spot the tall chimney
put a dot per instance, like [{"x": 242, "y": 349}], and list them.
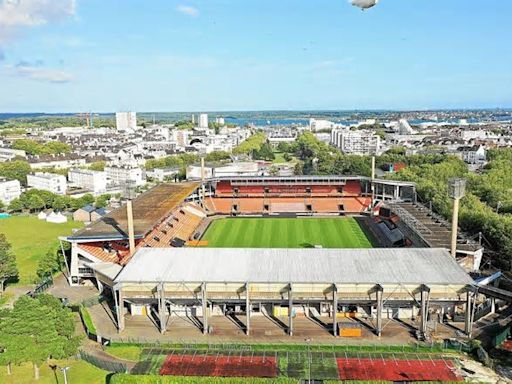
[{"x": 131, "y": 234}]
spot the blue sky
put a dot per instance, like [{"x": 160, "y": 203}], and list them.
[{"x": 191, "y": 55}]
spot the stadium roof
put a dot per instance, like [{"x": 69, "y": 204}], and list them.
[
  {"x": 149, "y": 209},
  {"x": 376, "y": 266}
]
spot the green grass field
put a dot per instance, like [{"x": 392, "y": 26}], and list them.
[
  {"x": 339, "y": 232},
  {"x": 31, "y": 238}
]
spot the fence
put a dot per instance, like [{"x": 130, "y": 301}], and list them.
[
  {"x": 41, "y": 287},
  {"x": 110, "y": 366},
  {"x": 499, "y": 338}
]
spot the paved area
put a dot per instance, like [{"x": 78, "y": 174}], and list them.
[
  {"x": 263, "y": 329},
  {"x": 62, "y": 289}
]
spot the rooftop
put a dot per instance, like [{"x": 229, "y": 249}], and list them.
[
  {"x": 149, "y": 209},
  {"x": 375, "y": 266}
]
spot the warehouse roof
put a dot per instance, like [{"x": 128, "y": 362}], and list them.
[
  {"x": 149, "y": 209},
  {"x": 383, "y": 266}
]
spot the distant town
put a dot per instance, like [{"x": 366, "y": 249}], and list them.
[{"x": 97, "y": 155}]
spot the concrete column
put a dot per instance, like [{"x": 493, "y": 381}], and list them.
[
  {"x": 380, "y": 304},
  {"x": 468, "y": 322},
  {"x": 290, "y": 310},
  {"x": 205, "y": 308},
  {"x": 493, "y": 305},
  {"x": 131, "y": 235},
  {"x": 334, "y": 310},
  {"x": 120, "y": 310},
  {"x": 425, "y": 293},
  {"x": 161, "y": 309},
  {"x": 247, "y": 310},
  {"x": 455, "y": 224}
]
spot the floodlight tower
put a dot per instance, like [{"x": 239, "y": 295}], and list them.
[
  {"x": 129, "y": 194},
  {"x": 456, "y": 190},
  {"x": 203, "y": 176}
]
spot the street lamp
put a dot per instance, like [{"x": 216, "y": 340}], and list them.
[
  {"x": 308, "y": 341},
  {"x": 64, "y": 370},
  {"x": 456, "y": 190}
]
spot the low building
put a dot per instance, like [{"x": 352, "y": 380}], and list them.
[
  {"x": 475, "y": 154},
  {"x": 9, "y": 190},
  {"x": 120, "y": 175},
  {"x": 8, "y": 154},
  {"x": 89, "y": 214},
  {"x": 48, "y": 182},
  {"x": 95, "y": 181},
  {"x": 162, "y": 174}
]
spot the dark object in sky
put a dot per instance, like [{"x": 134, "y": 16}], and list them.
[{"x": 364, "y": 4}]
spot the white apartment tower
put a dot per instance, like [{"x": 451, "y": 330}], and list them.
[
  {"x": 203, "y": 120},
  {"x": 94, "y": 181},
  {"x": 9, "y": 190},
  {"x": 48, "y": 182},
  {"x": 355, "y": 142},
  {"x": 126, "y": 121}
]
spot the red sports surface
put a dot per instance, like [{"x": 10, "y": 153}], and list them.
[
  {"x": 396, "y": 370},
  {"x": 221, "y": 366}
]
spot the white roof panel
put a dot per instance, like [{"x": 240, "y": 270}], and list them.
[{"x": 397, "y": 265}]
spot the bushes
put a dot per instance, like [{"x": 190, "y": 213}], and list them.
[
  {"x": 155, "y": 379},
  {"x": 87, "y": 320}
]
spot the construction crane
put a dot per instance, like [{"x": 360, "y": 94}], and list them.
[{"x": 88, "y": 118}]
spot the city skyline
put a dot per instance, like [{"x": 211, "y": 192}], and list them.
[{"x": 67, "y": 56}]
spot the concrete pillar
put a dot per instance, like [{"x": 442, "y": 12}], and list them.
[
  {"x": 119, "y": 309},
  {"x": 455, "y": 224},
  {"x": 205, "y": 308},
  {"x": 380, "y": 304},
  {"x": 468, "y": 322},
  {"x": 425, "y": 293},
  {"x": 290, "y": 310},
  {"x": 493, "y": 305},
  {"x": 334, "y": 310},
  {"x": 161, "y": 309},
  {"x": 247, "y": 310},
  {"x": 131, "y": 233}
]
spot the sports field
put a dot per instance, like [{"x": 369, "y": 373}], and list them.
[{"x": 339, "y": 232}]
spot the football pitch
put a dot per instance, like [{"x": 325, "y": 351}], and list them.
[{"x": 339, "y": 232}]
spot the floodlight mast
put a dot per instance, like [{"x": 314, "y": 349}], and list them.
[{"x": 456, "y": 190}]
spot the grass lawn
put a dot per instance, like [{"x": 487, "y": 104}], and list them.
[
  {"x": 80, "y": 372},
  {"x": 31, "y": 238},
  {"x": 279, "y": 158},
  {"x": 339, "y": 232}
]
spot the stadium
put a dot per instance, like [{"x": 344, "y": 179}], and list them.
[{"x": 344, "y": 255}]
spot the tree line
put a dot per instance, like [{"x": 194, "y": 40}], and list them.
[{"x": 35, "y": 200}]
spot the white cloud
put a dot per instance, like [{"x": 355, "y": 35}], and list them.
[
  {"x": 39, "y": 73},
  {"x": 188, "y": 10},
  {"x": 18, "y": 15}
]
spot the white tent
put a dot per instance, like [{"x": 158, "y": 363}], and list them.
[
  {"x": 57, "y": 218},
  {"x": 41, "y": 215}
]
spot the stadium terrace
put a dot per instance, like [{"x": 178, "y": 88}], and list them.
[{"x": 390, "y": 268}]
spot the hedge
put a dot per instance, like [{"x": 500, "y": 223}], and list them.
[
  {"x": 87, "y": 320},
  {"x": 120, "y": 378}
]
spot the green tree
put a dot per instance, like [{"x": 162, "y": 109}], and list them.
[
  {"x": 35, "y": 203},
  {"x": 217, "y": 156},
  {"x": 103, "y": 200},
  {"x": 15, "y": 205},
  {"x": 35, "y": 330},
  {"x": 15, "y": 170},
  {"x": 8, "y": 268},
  {"x": 49, "y": 264},
  {"x": 97, "y": 166},
  {"x": 60, "y": 203}
]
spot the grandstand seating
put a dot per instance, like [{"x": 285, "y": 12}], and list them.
[
  {"x": 352, "y": 188},
  {"x": 182, "y": 224}
]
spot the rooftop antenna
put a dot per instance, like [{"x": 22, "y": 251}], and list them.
[
  {"x": 456, "y": 190},
  {"x": 129, "y": 194}
]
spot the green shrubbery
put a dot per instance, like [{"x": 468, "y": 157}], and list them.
[{"x": 120, "y": 378}]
